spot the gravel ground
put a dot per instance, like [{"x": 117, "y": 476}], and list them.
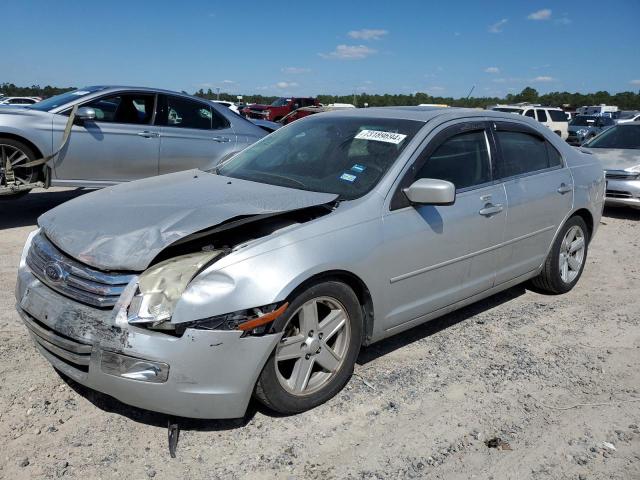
[{"x": 521, "y": 385}]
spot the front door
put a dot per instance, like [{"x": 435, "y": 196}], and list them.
[
  {"x": 439, "y": 255},
  {"x": 121, "y": 144},
  {"x": 194, "y": 135}
]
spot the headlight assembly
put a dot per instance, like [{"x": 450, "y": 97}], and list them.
[
  {"x": 252, "y": 321},
  {"x": 161, "y": 286}
]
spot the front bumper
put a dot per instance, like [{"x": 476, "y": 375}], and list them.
[
  {"x": 622, "y": 193},
  {"x": 574, "y": 139},
  {"x": 211, "y": 373}
]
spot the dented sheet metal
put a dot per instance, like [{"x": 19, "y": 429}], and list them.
[{"x": 125, "y": 227}]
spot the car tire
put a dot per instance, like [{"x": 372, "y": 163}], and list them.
[
  {"x": 565, "y": 263},
  {"x": 29, "y": 175},
  {"x": 283, "y": 385}
]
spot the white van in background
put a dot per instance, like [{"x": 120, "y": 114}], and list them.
[
  {"x": 602, "y": 109},
  {"x": 552, "y": 117}
]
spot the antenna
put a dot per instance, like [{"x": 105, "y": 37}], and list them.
[{"x": 469, "y": 94}]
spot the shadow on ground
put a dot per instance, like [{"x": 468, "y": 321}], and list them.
[
  {"x": 368, "y": 354},
  {"x": 621, "y": 213},
  {"x": 24, "y": 211}
]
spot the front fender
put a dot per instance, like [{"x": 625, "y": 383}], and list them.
[{"x": 273, "y": 275}]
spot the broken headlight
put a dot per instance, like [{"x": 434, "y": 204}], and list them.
[
  {"x": 252, "y": 321},
  {"x": 161, "y": 286}
]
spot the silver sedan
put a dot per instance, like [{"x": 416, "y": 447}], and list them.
[
  {"x": 189, "y": 293},
  {"x": 119, "y": 134}
]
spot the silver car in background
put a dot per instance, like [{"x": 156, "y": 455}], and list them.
[
  {"x": 120, "y": 134},
  {"x": 585, "y": 127},
  {"x": 188, "y": 293},
  {"x": 618, "y": 149}
]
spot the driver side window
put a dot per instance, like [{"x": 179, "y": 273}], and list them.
[
  {"x": 462, "y": 159},
  {"x": 129, "y": 108}
]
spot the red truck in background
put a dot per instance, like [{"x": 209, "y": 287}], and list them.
[{"x": 279, "y": 108}]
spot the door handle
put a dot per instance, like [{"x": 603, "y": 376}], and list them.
[
  {"x": 564, "y": 188},
  {"x": 148, "y": 134},
  {"x": 220, "y": 139},
  {"x": 490, "y": 209}
]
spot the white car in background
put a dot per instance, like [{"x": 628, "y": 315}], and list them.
[
  {"x": 230, "y": 105},
  {"x": 19, "y": 100},
  {"x": 553, "y": 117}
]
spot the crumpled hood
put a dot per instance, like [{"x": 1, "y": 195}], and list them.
[
  {"x": 616, "y": 158},
  {"x": 125, "y": 227}
]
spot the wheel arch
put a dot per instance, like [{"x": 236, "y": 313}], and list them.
[
  {"x": 586, "y": 215},
  {"x": 24, "y": 140},
  {"x": 41, "y": 173},
  {"x": 356, "y": 284}
]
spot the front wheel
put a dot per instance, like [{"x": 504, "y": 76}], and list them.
[
  {"x": 16, "y": 154},
  {"x": 565, "y": 263},
  {"x": 322, "y": 334}
]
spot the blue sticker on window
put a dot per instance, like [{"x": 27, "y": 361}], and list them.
[
  {"x": 358, "y": 168},
  {"x": 347, "y": 177}
]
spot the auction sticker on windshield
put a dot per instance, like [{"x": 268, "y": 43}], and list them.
[{"x": 380, "y": 136}]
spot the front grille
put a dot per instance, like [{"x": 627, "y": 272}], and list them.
[
  {"x": 621, "y": 175},
  {"x": 72, "y": 278},
  {"x": 618, "y": 194},
  {"x": 71, "y": 352}
]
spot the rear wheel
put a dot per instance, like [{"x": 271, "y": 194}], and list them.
[
  {"x": 16, "y": 154},
  {"x": 317, "y": 352},
  {"x": 566, "y": 260}
]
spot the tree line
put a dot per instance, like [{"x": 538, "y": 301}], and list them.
[{"x": 624, "y": 100}]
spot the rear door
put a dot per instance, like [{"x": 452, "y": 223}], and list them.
[
  {"x": 438, "y": 255},
  {"x": 539, "y": 189},
  {"x": 193, "y": 135},
  {"x": 121, "y": 144}
]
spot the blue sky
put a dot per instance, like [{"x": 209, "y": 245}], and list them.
[{"x": 335, "y": 47}]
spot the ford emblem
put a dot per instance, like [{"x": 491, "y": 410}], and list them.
[{"x": 53, "y": 271}]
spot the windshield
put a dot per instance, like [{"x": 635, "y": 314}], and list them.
[
  {"x": 620, "y": 136},
  {"x": 58, "y": 100},
  {"x": 347, "y": 156},
  {"x": 508, "y": 110},
  {"x": 626, "y": 115},
  {"x": 583, "y": 121},
  {"x": 281, "y": 102}
]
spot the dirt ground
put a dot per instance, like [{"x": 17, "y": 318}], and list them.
[{"x": 518, "y": 386}]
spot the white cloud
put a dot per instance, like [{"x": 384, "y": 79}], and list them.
[
  {"x": 544, "y": 14},
  {"x": 492, "y": 70},
  {"x": 295, "y": 70},
  {"x": 635, "y": 82},
  {"x": 349, "y": 52},
  {"x": 497, "y": 27},
  {"x": 564, "y": 21},
  {"x": 543, "y": 78},
  {"x": 368, "y": 34},
  {"x": 286, "y": 85},
  {"x": 228, "y": 82}
]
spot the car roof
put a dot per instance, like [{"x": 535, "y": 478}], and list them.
[{"x": 421, "y": 114}]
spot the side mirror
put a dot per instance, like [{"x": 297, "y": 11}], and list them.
[
  {"x": 430, "y": 191},
  {"x": 85, "y": 113}
]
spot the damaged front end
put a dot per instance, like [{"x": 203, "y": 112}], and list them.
[{"x": 172, "y": 338}]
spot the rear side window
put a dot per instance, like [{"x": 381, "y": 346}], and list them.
[
  {"x": 525, "y": 153},
  {"x": 462, "y": 159},
  {"x": 185, "y": 113},
  {"x": 529, "y": 113},
  {"x": 542, "y": 115},
  {"x": 557, "y": 115}
]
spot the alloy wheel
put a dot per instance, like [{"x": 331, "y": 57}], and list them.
[
  {"x": 572, "y": 254},
  {"x": 313, "y": 347},
  {"x": 14, "y": 156}
]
